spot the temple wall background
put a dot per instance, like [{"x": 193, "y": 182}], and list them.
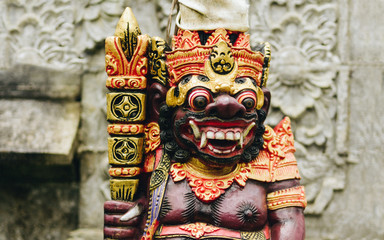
[{"x": 326, "y": 74}]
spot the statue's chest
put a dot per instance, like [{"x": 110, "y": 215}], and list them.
[{"x": 239, "y": 208}]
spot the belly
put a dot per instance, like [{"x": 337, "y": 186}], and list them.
[{"x": 239, "y": 208}]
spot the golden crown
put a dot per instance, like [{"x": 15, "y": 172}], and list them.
[{"x": 218, "y": 56}]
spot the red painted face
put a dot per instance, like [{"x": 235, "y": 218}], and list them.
[{"x": 219, "y": 127}]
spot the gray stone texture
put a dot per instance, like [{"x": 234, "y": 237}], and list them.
[
  {"x": 326, "y": 74},
  {"x": 36, "y": 211},
  {"x": 35, "y": 130}
]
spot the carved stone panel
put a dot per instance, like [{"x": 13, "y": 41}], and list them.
[{"x": 309, "y": 84}]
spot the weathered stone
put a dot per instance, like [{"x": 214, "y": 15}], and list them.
[
  {"x": 94, "y": 189},
  {"x": 86, "y": 234},
  {"x": 38, "y": 131},
  {"x": 37, "y": 211},
  {"x": 31, "y": 81}
]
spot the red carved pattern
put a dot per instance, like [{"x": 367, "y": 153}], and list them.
[
  {"x": 150, "y": 232},
  {"x": 126, "y": 82},
  {"x": 152, "y": 136},
  {"x": 219, "y": 34},
  {"x": 138, "y": 66},
  {"x": 185, "y": 39},
  {"x": 192, "y": 56},
  {"x": 244, "y": 72},
  {"x": 178, "y": 74},
  {"x": 208, "y": 189},
  {"x": 242, "y": 41},
  {"x": 198, "y": 229},
  {"x": 115, "y": 61},
  {"x": 291, "y": 197},
  {"x": 276, "y": 160},
  {"x": 284, "y": 132}
]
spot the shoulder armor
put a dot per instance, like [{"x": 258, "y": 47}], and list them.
[{"x": 276, "y": 161}]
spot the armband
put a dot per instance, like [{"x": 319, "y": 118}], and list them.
[{"x": 290, "y": 197}]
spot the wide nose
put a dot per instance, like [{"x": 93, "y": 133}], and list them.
[{"x": 225, "y": 107}]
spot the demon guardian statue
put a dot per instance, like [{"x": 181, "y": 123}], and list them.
[{"x": 189, "y": 152}]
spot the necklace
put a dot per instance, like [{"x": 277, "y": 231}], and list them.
[{"x": 208, "y": 188}]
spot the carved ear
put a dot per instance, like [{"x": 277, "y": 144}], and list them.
[
  {"x": 267, "y": 99},
  {"x": 155, "y": 99}
]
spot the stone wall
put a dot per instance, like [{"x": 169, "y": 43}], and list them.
[{"x": 326, "y": 74}]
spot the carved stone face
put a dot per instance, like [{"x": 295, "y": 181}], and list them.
[{"x": 215, "y": 124}]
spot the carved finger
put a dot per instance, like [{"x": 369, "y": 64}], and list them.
[
  {"x": 132, "y": 213},
  {"x": 114, "y": 220},
  {"x": 118, "y": 206},
  {"x": 119, "y": 233}
]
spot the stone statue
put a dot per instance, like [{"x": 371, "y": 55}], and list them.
[{"x": 189, "y": 152}]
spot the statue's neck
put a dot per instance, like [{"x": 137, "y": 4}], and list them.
[{"x": 201, "y": 167}]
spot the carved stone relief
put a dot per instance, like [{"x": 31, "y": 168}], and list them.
[
  {"x": 54, "y": 33},
  {"x": 309, "y": 85}
]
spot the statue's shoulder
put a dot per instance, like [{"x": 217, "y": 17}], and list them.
[{"x": 276, "y": 161}]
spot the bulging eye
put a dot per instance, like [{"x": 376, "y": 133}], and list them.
[
  {"x": 199, "y": 99},
  {"x": 248, "y": 99}
]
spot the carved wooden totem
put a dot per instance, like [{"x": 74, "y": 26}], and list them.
[{"x": 189, "y": 152}]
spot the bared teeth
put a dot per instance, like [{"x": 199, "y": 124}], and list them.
[
  {"x": 210, "y": 135},
  {"x": 248, "y": 129},
  {"x": 204, "y": 135},
  {"x": 204, "y": 140},
  {"x": 195, "y": 129},
  {"x": 220, "y": 135},
  {"x": 241, "y": 142},
  {"x": 230, "y": 136},
  {"x": 237, "y": 136}
]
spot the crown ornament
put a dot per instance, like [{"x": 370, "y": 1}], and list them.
[{"x": 189, "y": 56}]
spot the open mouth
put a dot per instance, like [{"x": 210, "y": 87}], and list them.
[{"x": 217, "y": 138}]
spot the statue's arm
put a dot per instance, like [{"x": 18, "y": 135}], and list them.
[
  {"x": 286, "y": 220},
  {"x": 287, "y": 224}
]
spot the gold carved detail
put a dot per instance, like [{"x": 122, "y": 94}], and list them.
[
  {"x": 198, "y": 229},
  {"x": 117, "y": 64},
  {"x": 126, "y": 107},
  {"x": 190, "y": 58},
  {"x": 157, "y": 65},
  {"x": 124, "y": 171},
  {"x": 208, "y": 188},
  {"x": 123, "y": 189},
  {"x": 276, "y": 161},
  {"x": 161, "y": 173},
  {"x": 253, "y": 235},
  {"x": 221, "y": 59},
  {"x": 126, "y": 82},
  {"x": 125, "y": 150},
  {"x": 125, "y": 129},
  {"x": 127, "y": 30},
  {"x": 291, "y": 197},
  {"x": 115, "y": 61},
  {"x": 152, "y": 136}
]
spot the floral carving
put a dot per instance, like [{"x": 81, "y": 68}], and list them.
[
  {"x": 152, "y": 136},
  {"x": 55, "y": 33},
  {"x": 198, "y": 230},
  {"x": 208, "y": 188},
  {"x": 303, "y": 85}
]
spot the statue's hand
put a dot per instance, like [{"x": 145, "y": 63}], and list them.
[{"x": 122, "y": 220}]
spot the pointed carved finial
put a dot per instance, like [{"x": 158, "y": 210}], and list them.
[{"x": 127, "y": 30}]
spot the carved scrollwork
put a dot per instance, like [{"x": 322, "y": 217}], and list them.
[
  {"x": 42, "y": 32},
  {"x": 303, "y": 37}
]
